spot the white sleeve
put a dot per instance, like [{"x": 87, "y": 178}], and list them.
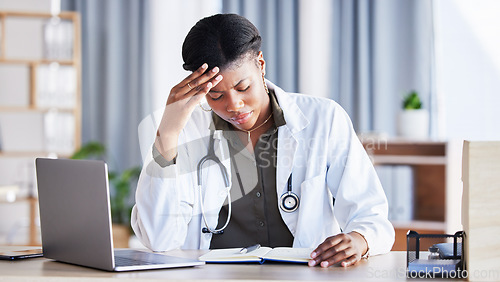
[
  {"x": 164, "y": 202},
  {"x": 360, "y": 201}
]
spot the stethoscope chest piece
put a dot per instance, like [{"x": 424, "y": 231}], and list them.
[{"x": 289, "y": 201}]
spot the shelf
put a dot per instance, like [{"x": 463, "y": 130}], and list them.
[
  {"x": 32, "y": 203},
  {"x": 23, "y": 199},
  {"x": 62, "y": 15},
  {"x": 408, "y": 160},
  {"x": 30, "y": 104},
  {"x": 412, "y": 142},
  {"x": 437, "y": 226},
  {"x": 402, "y": 147},
  {"x": 423, "y": 227},
  {"x": 36, "y": 61},
  {"x": 432, "y": 166},
  {"x": 36, "y": 109},
  {"x": 26, "y": 154}
]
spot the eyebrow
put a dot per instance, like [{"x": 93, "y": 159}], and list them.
[{"x": 232, "y": 87}]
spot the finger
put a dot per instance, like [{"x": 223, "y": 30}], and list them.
[
  {"x": 338, "y": 257},
  {"x": 350, "y": 261},
  {"x": 327, "y": 244},
  {"x": 195, "y": 99},
  {"x": 186, "y": 92},
  {"x": 198, "y": 84},
  {"x": 340, "y": 248},
  {"x": 182, "y": 88},
  {"x": 194, "y": 75},
  {"x": 179, "y": 90}
]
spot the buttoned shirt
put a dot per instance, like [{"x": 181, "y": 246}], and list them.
[{"x": 255, "y": 217}]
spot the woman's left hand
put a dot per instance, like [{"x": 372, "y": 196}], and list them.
[{"x": 345, "y": 248}]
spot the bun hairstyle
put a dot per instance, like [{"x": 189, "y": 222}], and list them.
[{"x": 220, "y": 40}]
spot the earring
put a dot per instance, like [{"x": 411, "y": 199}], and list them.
[
  {"x": 199, "y": 104},
  {"x": 265, "y": 85}
]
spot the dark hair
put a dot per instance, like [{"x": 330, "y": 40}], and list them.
[{"x": 219, "y": 40}]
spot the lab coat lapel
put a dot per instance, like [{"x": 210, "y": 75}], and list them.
[
  {"x": 287, "y": 145},
  {"x": 287, "y": 140}
]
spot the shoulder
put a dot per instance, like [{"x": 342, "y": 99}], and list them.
[
  {"x": 311, "y": 106},
  {"x": 300, "y": 101},
  {"x": 303, "y": 109},
  {"x": 305, "y": 100}
]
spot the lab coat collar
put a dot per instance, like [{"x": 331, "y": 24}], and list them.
[{"x": 295, "y": 119}]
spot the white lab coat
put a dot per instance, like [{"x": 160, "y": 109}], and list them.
[{"x": 317, "y": 143}]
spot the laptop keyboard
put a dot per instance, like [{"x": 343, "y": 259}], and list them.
[
  {"x": 122, "y": 261},
  {"x": 131, "y": 258}
]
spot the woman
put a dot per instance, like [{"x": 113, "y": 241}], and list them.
[{"x": 298, "y": 175}]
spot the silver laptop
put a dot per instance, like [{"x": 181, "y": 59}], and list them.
[{"x": 75, "y": 219}]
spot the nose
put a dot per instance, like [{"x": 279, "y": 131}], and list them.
[{"x": 234, "y": 102}]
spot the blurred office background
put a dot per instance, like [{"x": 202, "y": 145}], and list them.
[{"x": 365, "y": 54}]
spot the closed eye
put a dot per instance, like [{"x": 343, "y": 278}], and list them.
[
  {"x": 215, "y": 98},
  {"x": 244, "y": 90}
]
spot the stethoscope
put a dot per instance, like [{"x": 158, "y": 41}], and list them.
[{"x": 289, "y": 201}]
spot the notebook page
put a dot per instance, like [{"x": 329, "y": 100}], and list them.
[
  {"x": 289, "y": 254},
  {"x": 233, "y": 254}
]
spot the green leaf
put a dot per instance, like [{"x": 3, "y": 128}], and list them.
[
  {"x": 120, "y": 209},
  {"x": 89, "y": 150},
  {"x": 412, "y": 101}
]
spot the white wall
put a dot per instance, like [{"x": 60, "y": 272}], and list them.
[
  {"x": 317, "y": 56},
  {"x": 468, "y": 68},
  {"x": 25, "y": 5},
  {"x": 172, "y": 20}
]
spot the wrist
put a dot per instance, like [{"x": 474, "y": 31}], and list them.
[
  {"x": 362, "y": 242},
  {"x": 166, "y": 146}
]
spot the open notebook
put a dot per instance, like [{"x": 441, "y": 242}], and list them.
[{"x": 283, "y": 254}]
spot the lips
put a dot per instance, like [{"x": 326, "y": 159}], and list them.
[{"x": 242, "y": 118}]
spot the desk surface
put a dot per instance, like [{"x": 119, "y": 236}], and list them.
[{"x": 391, "y": 266}]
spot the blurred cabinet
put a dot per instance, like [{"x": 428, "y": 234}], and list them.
[
  {"x": 40, "y": 98},
  {"x": 435, "y": 188}
]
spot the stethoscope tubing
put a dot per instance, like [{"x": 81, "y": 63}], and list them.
[
  {"x": 208, "y": 229},
  {"x": 212, "y": 157}
]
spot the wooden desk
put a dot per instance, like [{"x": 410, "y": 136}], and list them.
[{"x": 387, "y": 267}]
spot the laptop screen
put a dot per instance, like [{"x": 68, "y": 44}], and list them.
[{"x": 75, "y": 212}]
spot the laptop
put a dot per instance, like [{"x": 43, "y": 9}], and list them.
[{"x": 75, "y": 219}]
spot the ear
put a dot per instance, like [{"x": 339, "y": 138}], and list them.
[{"x": 262, "y": 62}]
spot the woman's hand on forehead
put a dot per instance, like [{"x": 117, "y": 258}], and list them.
[{"x": 182, "y": 100}]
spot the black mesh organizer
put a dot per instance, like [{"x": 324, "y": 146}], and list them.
[{"x": 437, "y": 254}]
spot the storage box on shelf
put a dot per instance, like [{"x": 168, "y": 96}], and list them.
[
  {"x": 435, "y": 190},
  {"x": 40, "y": 96}
]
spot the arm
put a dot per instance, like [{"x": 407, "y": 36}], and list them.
[
  {"x": 164, "y": 200},
  {"x": 360, "y": 204},
  {"x": 162, "y": 210}
]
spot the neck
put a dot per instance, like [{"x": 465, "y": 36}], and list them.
[
  {"x": 259, "y": 126},
  {"x": 259, "y": 130}
]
